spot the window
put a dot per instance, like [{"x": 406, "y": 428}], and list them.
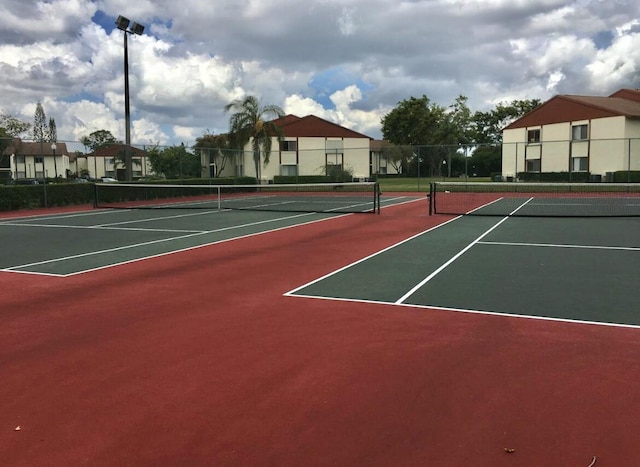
[
  {"x": 533, "y": 165},
  {"x": 289, "y": 170},
  {"x": 579, "y": 132},
  {"x": 533, "y": 136},
  {"x": 579, "y": 164},
  {"x": 19, "y": 159},
  {"x": 288, "y": 145},
  {"x": 38, "y": 159}
]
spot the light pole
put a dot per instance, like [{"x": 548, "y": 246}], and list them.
[
  {"x": 55, "y": 165},
  {"x": 122, "y": 23}
]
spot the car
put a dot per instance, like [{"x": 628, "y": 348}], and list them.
[
  {"x": 25, "y": 181},
  {"x": 108, "y": 180}
]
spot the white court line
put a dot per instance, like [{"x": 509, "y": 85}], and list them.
[
  {"x": 104, "y": 227},
  {"x": 13, "y": 269},
  {"x": 477, "y": 312},
  {"x": 136, "y": 245},
  {"x": 292, "y": 292},
  {"x": 95, "y": 212},
  {"x": 460, "y": 253},
  {"x": 560, "y": 245}
]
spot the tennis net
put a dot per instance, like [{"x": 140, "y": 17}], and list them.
[
  {"x": 535, "y": 199},
  {"x": 348, "y": 197}
]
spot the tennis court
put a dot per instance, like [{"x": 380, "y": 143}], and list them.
[
  {"x": 80, "y": 242},
  {"x": 244, "y": 337},
  {"x": 553, "y": 268}
]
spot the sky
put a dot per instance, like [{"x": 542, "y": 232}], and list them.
[{"x": 347, "y": 61}]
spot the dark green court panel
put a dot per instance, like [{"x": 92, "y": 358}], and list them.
[
  {"x": 570, "y": 269},
  {"x": 565, "y": 283},
  {"x": 74, "y": 242},
  {"x": 388, "y": 275},
  {"x": 69, "y": 244}
]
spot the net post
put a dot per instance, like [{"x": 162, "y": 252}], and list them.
[
  {"x": 376, "y": 197},
  {"x": 95, "y": 195},
  {"x": 431, "y": 198}
]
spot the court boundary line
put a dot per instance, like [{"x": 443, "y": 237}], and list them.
[
  {"x": 470, "y": 311},
  {"x": 560, "y": 245},
  {"x": 326, "y": 276},
  {"x": 14, "y": 269},
  {"x": 459, "y": 254},
  {"x": 17, "y": 269},
  {"x": 293, "y": 292},
  {"x": 400, "y": 302}
]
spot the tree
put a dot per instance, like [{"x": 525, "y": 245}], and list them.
[
  {"x": 249, "y": 124},
  {"x": 39, "y": 124},
  {"x": 487, "y": 126},
  {"x": 396, "y": 156},
  {"x": 487, "y": 133},
  {"x": 174, "y": 162},
  {"x": 99, "y": 139},
  {"x": 216, "y": 149},
  {"x": 39, "y": 129},
  {"x": 52, "y": 133},
  {"x": 413, "y": 122},
  {"x": 12, "y": 127}
]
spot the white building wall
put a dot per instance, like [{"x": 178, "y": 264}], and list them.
[
  {"x": 555, "y": 140},
  {"x": 513, "y": 152},
  {"x": 312, "y": 156},
  {"x": 608, "y": 146}
]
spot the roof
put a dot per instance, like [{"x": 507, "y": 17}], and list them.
[
  {"x": 314, "y": 127},
  {"x": 21, "y": 148},
  {"x": 570, "y": 108}
]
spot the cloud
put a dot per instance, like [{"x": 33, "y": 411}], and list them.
[{"x": 348, "y": 61}]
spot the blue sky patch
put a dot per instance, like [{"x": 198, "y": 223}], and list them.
[{"x": 335, "y": 79}]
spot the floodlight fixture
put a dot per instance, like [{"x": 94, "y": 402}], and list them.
[
  {"x": 122, "y": 23},
  {"x": 137, "y": 28}
]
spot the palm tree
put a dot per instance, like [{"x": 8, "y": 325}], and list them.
[{"x": 249, "y": 123}]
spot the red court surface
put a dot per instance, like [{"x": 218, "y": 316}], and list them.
[{"x": 196, "y": 359}]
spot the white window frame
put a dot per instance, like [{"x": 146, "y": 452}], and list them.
[
  {"x": 579, "y": 164},
  {"x": 537, "y": 163},
  {"x": 580, "y": 132}
]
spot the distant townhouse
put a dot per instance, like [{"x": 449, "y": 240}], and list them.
[
  {"x": 588, "y": 134},
  {"x": 108, "y": 161},
  {"x": 311, "y": 146},
  {"x": 35, "y": 160}
]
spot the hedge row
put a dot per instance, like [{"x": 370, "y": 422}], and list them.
[
  {"x": 13, "y": 197},
  {"x": 632, "y": 176},
  {"x": 579, "y": 177}
]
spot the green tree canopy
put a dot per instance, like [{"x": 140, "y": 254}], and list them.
[
  {"x": 250, "y": 122},
  {"x": 12, "y": 127},
  {"x": 216, "y": 149},
  {"x": 488, "y": 126},
  {"x": 52, "y": 132},
  {"x": 99, "y": 139},
  {"x": 39, "y": 124},
  {"x": 174, "y": 162},
  {"x": 414, "y": 122}
]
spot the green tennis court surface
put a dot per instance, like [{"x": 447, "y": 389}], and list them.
[
  {"x": 72, "y": 243},
  {"x": 577, "y": 269}
]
